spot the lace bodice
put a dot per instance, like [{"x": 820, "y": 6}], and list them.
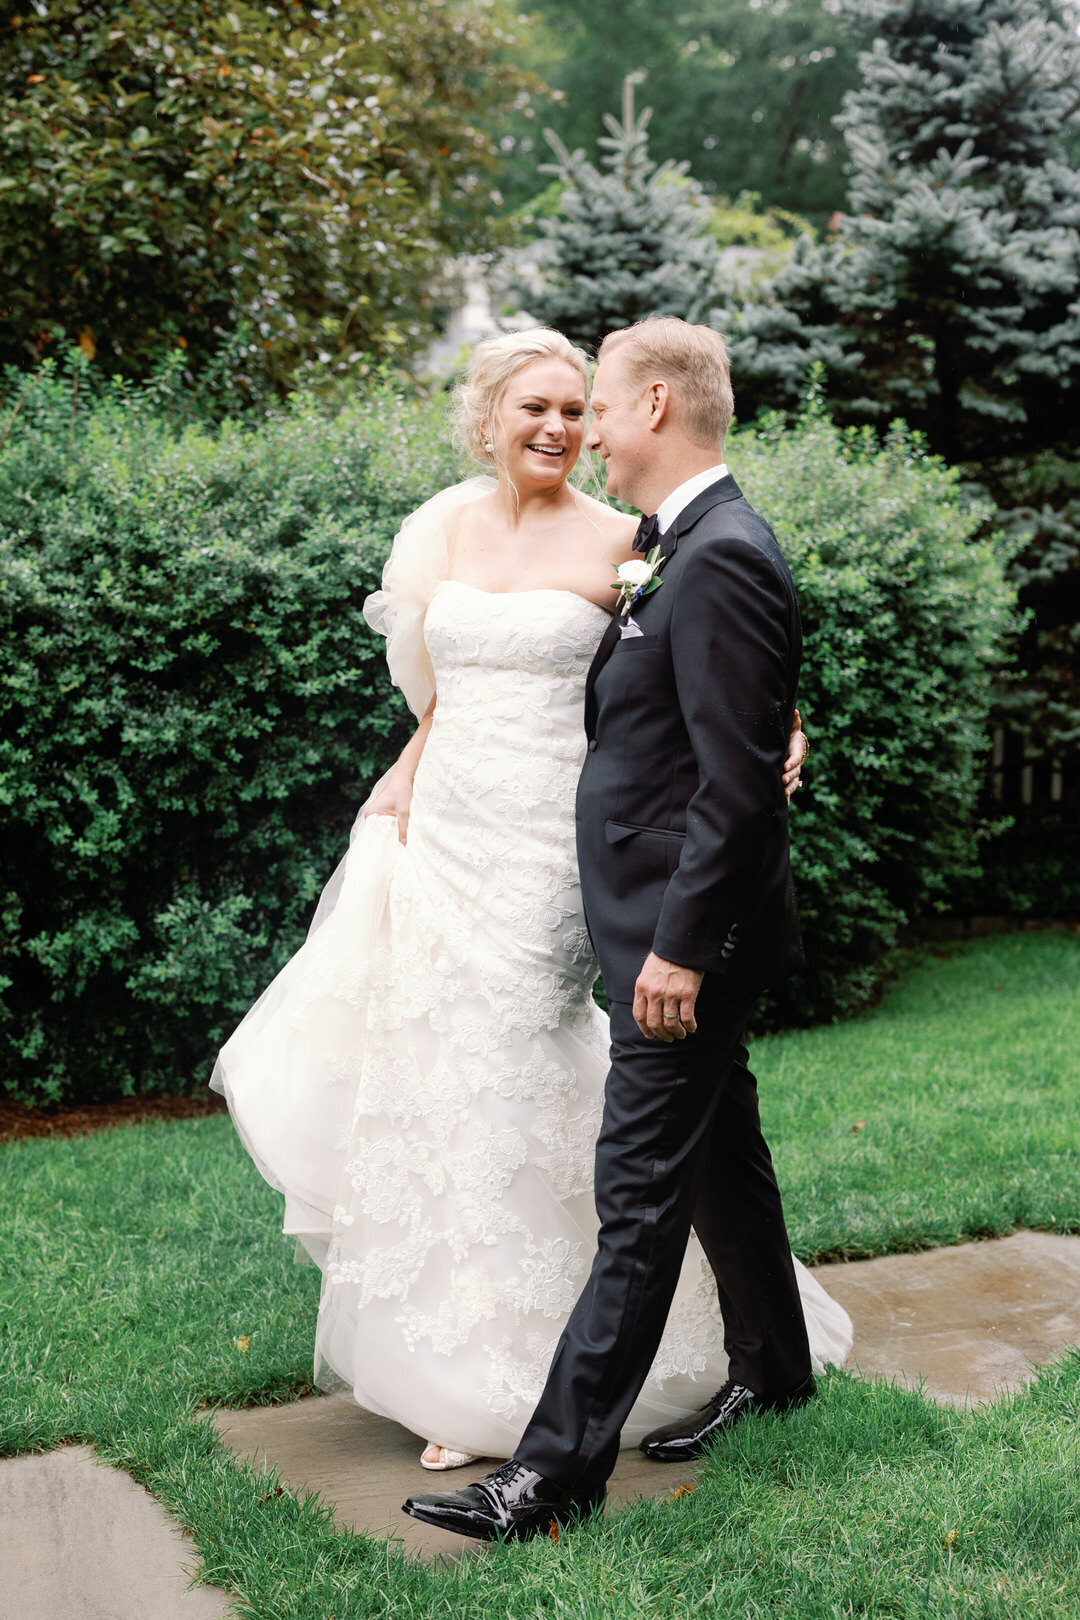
[
  {"x": 493, "y": 804},
  {"x": 540, "y": 628},
  {"x": 510, "y": 672},
  {"x": 511, "y": 646}
]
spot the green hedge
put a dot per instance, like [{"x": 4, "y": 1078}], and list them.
[
  {"x": 906, "y": 615},
  {"x": 191, "y": 708},
  {"x": 1031, "y": 870},
  {"x": 192, "y": 705}
]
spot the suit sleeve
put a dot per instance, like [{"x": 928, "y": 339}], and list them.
[{"x": 731, "y": 633}]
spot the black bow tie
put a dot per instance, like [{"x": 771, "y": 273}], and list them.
[{"x": 648, "y": 532}]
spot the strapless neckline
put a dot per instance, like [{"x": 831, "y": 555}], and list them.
[{"x": 535, "y": 590}]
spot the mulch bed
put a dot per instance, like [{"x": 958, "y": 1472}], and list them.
[{"x": 17, "y": 1121}]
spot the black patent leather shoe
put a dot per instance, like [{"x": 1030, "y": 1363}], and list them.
[
  {"x": 511, "y": 1504},
  {"x": 689, "y": 1436}
]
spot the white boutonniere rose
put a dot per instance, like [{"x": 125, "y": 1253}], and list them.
[{"x": 637, "y": 578}]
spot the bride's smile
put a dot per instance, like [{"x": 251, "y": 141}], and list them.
[{"x": 540, "y": 426}]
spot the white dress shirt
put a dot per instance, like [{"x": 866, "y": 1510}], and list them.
[{"x": 680, "y": 498}]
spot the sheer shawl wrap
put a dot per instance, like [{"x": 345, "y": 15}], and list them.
[{"x": 418, "y": 560}]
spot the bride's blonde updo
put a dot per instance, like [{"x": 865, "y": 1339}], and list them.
[{"x": 494, "y": 362}]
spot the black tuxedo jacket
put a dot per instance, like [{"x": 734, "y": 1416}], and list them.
[{"x": 681, "y": 817}]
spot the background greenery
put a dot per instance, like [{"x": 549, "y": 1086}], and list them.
[
  {"x": 171, "y": 171},
  {"x": 942, "y": 291},
  {"x": 144, "y": 1277},
  {"x": 905, "y": 616},
  {"x": 627, "y": 239},
  {"x": 193, "y": 706},
  {"x": 946, "y": 294},
  {"x": 743, "y": 90},
  {"x": 221, "y": 207}
]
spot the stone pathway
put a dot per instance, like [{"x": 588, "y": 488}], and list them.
[
  {"x": 79, "y": 1541},
  {"x": 967, "y": 1323},
  {"x": 367, "y": 1466}
]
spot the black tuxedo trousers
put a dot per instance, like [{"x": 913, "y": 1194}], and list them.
[{"x": 680, "y": 1145}]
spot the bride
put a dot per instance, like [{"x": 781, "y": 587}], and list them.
[{"x": 424, "y": 1079}]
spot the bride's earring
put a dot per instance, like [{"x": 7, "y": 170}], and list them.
[{"x": 489, "y": 447}]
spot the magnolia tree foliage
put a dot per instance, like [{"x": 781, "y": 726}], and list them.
[
  {"x": 170, "y": 170},
  {"x": 630, "y": 238},
  {"x": 949, "y": 293}
]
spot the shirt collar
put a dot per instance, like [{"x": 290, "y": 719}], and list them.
[{"x": 680, "y": 498}]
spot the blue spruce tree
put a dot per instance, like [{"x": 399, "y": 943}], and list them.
[
  {"x": 630, "y": 239},
  {"x": 950, "y": 291}
]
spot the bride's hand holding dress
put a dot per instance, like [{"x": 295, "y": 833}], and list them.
[{"x": 394, "y": 795}]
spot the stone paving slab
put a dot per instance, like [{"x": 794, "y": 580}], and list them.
[
  {"x": 967, "y": 1323},
  {"x": 81, "y": 1541},
  {"x": 368, "y": 1465}
]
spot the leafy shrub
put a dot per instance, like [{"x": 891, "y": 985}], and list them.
[
  {"x": 192, "y": 704},
  {"x": 191, "y": 709},
  {"x": 1031, "y": 870},
  {"x": 905, "y": 616},
  {"x": 170, "y": 172}
]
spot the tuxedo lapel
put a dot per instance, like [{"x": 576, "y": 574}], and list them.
[
  {"x": 725, "y": 489},
  {"x": 600, "y": 658}
]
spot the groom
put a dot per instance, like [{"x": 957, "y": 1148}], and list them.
[{"x": 683, "y": 849}]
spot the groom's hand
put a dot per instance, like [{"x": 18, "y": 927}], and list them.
[{"x": 664, "y": 998}]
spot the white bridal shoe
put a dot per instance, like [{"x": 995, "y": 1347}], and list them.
[{"x": 438, "y": 1458}]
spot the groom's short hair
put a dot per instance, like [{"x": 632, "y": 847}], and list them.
[{"x": 692, "y": 360}]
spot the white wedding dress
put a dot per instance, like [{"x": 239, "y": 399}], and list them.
[{"x": 424, "y": 1079}]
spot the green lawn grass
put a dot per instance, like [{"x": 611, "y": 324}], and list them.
[
  {"x": 139, "y": 1262},
  {"x": 951, "y": 1112}
]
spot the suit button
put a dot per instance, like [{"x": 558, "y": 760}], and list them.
[{"x": 592, "y": 745}]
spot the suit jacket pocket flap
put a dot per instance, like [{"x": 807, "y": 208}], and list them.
[
  {"x": 643, "y": 642},
  {"x": 616, "y": 831}
]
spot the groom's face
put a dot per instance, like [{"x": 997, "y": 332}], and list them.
[{"x": 619, "y": 429}]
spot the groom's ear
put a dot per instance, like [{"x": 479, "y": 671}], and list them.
[{"x": 659, "y": 402}]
